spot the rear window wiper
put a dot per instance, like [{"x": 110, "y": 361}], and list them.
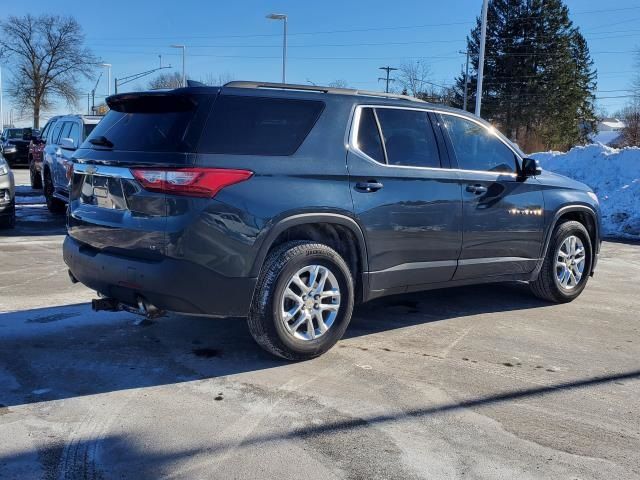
[{"x": 101, "y": 141}]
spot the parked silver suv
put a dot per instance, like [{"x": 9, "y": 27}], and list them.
[
  {"x": 62, "y": 141},
  {"x": 7, "y": 196}
]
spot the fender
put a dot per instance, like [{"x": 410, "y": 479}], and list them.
[
  {"x": 552, "y": 226},
  {"x": 310, "y": 218}
]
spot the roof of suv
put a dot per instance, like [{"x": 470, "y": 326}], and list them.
[{"x": 90, "y": 119}]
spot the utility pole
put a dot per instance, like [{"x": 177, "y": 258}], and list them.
[
  {"x": 387, "y": 79},
  {"x": 466, "y": 80},
  {"x": 483, "y": 41}
]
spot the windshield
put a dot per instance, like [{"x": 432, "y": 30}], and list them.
[{"x": 14, "y": 133}]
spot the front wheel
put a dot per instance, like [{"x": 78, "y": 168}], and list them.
[
  {"x": 9, "y": 221},
  {"x": 567, "y": 264},
  {"x": 303, "y": 300}
]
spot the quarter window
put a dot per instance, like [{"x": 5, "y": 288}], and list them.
[
  {"x": 477, "y": 148},
  {"x": 369, "y": 136},
  {"x": 241, "y": 125}
]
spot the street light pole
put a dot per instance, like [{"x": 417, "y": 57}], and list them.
[
  {"x": 1, "y": 105},
  {"x": 184, "y": 75},
  {"x": 108, "y": 65},
  {"x": 283, "y": 17},
  {"x": 483, "y": 41}
]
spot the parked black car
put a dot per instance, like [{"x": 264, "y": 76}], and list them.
[
  {"x": 15, "y": 145},
  {"x": 288, "y": 204}
]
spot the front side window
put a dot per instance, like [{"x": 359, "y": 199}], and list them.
[
  {"x": 74, "y": 134},
  {"x": 477, "y": 148},
  {"x": 56, "y": 132},
  {"x": 408, "y": 137}
]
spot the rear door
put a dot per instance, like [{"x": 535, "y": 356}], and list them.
[
  {"x": 503, "y": 215},
  {"x": 407, "y": 200}
]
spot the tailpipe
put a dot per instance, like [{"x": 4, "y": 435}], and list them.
[{"x": 144, "y": 308}]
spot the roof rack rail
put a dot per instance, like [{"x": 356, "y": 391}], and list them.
[
  {"x": 317, "y": 88},
  {"x": 287, "y": 86}
]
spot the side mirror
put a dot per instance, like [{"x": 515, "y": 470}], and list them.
[
  {"x": 67, "y": 144},
  {"x": 530, "y": 167}
]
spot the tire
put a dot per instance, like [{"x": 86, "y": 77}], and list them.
[
  {"x": 55, "y": 205},
  {"x": 36, "y": 179},
  {"x": 8, "y": 221},
  {"x": 548, "y": 285},
  {"x": 266, "y": 320}
]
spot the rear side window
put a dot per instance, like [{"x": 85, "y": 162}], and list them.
[
  {"x": 258, "y": 126},
  {"x": 408, "y": 137},
  {"x": 151, "y": 123}
]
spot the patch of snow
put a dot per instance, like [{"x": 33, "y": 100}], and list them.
[{"x": 613, "y": 174}]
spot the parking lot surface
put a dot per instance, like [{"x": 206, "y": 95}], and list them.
[{"x": 474, "y": 382}]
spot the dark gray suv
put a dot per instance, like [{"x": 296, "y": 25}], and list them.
[{"x": 288, "y": 204}]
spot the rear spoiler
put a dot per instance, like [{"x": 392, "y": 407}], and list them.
[{"x": 158, "y": 101}]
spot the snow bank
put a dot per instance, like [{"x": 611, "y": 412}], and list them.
[{"x": 614, "y": 174}]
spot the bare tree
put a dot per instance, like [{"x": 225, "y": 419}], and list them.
[
  {"x": 166, "y": 80},
  {"x": 47, "y": 58},
  {"x": 630, "y": 115},
  {"x": 339, "y": 83},
  {"x": 217, "y": 80},
  {"x": 414, "y": 77}
]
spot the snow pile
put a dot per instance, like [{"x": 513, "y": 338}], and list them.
[{"x": 614, "y": 174}]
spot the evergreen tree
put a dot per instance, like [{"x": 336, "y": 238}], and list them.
[{"x": 539, "y": 80}]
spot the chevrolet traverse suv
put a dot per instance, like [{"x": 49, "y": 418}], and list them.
[{"x": 288, "y": 204}]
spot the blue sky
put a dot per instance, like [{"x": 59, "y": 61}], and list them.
[{"x": 328, "y": 40}]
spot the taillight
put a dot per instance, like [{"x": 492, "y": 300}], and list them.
[{"x": 193, "y": 182}]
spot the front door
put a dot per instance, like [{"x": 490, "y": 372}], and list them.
[
  {"x": 503, "y": 214},
  {"x": 409, "y": 205}
]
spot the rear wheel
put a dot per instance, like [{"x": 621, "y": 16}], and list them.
[
  {"x": 567, "y": 265},
  {"x": 55, "y": 205},
  {"x": 303, "y": 301},
  {"x": 34, "y": 176}
]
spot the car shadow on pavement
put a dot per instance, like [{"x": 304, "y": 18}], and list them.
[
  {"x": 68, "y": 351},
  {"x": 87, "y": 458}
]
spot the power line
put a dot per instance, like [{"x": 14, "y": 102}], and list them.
[{"x": 371, "y": 29}]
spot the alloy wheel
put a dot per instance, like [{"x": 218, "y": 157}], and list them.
[
  {"x": 570, "y": 262},
  {"x": 310, "y": 302}
]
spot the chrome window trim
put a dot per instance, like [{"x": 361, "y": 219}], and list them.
[{"x": 354, "y": 126}]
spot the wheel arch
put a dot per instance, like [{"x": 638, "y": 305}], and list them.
[
  {"x": 338, "y": 231},
  {"x": 584, "y": 214}
]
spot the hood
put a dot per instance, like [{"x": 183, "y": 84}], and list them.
[{"x": 557, "y": 180}]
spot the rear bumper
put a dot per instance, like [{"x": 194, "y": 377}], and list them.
[{"x": 169, "y": 284}]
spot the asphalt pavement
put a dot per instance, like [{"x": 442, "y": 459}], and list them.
[{"x": 474, "y": 382}]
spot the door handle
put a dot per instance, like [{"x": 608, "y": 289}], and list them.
[
  {"x": 477, "y": 189},
  {"x": 369, "y": 186}
]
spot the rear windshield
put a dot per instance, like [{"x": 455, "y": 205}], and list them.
[
  {"x": 151, "y": 123},
  {"x": 248, "y": 125}
]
